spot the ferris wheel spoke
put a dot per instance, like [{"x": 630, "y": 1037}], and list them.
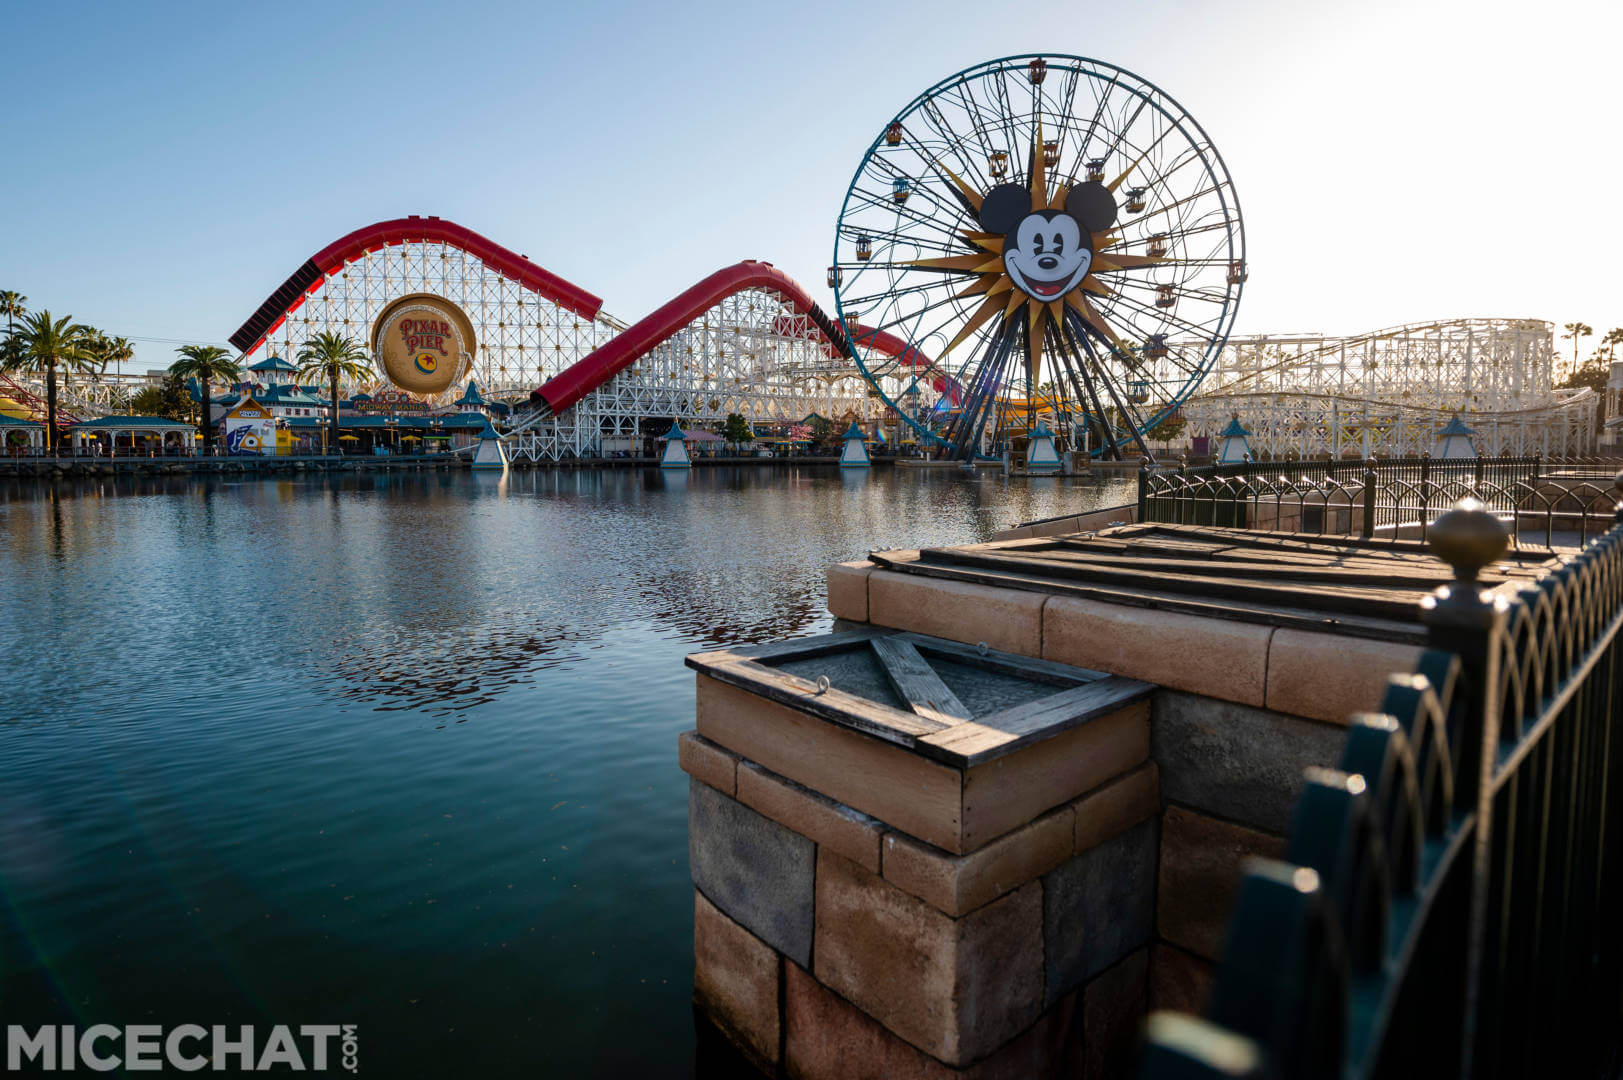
[{"x": 1007, "y": 336}]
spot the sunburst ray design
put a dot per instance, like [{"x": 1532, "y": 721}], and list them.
[{"x": 992, "y": 273}]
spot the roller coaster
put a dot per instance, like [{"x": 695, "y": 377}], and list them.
[
  {"x": 1385, "y": 393},
  {"x": 746, "y": 339}
]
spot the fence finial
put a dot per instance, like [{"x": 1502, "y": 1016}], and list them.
[{"x": 1468, "y": 538}]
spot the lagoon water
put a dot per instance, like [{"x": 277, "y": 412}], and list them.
[{"x": 399, "y": 750}]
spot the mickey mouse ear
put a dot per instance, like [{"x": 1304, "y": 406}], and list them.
[
  {"x": 1092, "y": 204},
  {"x": 1004, "y": 206}
]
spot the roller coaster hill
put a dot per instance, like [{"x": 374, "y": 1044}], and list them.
[{"x": 747, "y": 339}]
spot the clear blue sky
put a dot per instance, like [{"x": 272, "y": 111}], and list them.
[{"x": 167, "y": 165}]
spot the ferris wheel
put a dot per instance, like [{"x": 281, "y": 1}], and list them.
[{"x": 1056, "y": 239}]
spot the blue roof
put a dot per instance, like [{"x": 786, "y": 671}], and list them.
[
  {"x": 1234, "y": 430},
  {"x": 854, "y": 432},
  {"x": 1041, "y": 431},
  {"x": 12, "y": 421},
  {"x": 1455, "y": 428},
  {"x": 461, "y": 422},
  {"x": 676, "y": 432},
  {"x": 273, "y": 363},
  {"x": 488, "y": 432},
  {"x": 122, "y": 422},
  {"x": 471, "y": 395}
]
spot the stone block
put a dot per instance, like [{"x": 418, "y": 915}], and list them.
[
  {"x": 1112, "y": 1010},
  {"x": 735, "y": 982},
  {"x": 816, "y": 817},
  {"x": 1097, "y": 908},
  {"x": 828, "y": 1038},
  {"x": 920, "y": 797},
  {"x": 1236, "y": 761},
  {"x": 1004, "y": 794},
  {"x": 1202, "y": 860},
  {"x": 848, "y": 590},
  {"x": 1328, "y": 676},
  {"x": 955, "y": 988},
  {"x": 958, "y": 884},
  {"x": 1115, "y": 807},
  {"x": 1179, "y": 980},
  {"x": 706, "y": 762},
  {"x": 959, "y": 611},
  {"x": 1220, "y": 658},
  {"x": 760, "y": 874}
]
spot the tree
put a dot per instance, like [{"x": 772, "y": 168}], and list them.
[
  {"x": 822, "y": 431},
  {"x": 329, "y": 358},
  {"x": 1168, "y": 429},
  {"x": 737, "y": 430},
  {"x": 1609, "y": 343},
  {"x": 206, "y": 364},
  {"x": 41, "y": 342},
  {"x": 14, "y": 306},
  {"x": 110, "y": 350},
  {"x": 1576, "y": 330},
  {"x": 169, "y": 399}
]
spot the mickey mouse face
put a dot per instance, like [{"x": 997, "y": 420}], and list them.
[
  {"x": 1047, "y": 255},
  {"x": 1047, "y": 252}
]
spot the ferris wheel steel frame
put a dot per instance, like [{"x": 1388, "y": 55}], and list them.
[{"x": 1097, "y": 364}]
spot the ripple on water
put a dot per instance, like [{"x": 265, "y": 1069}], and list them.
[{"x": 399, "y": 750}]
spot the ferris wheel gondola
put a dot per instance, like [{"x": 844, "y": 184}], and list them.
[{"x": 1056, "y": 238}]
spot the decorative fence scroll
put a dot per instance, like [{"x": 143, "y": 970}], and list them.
[{"x": 1451, "y": 903}]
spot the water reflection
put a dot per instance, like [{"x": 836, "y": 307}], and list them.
[{"x": 399, "y": 748}]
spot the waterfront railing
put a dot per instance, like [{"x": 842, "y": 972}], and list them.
[
  {"x": 1543, "y": 502},
  {"x": 1449, "y": 896}
]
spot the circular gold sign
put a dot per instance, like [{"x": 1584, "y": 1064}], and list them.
[{"x": 423, "y": 343}]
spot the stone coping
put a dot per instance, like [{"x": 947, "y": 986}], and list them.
[{"x": 1035, "y": 699}]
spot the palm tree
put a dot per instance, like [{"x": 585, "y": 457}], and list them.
[
  {"x": 14, "y": 306},
  {"x": 206, "y": 364},
  {"x": 44, "y": 342},
  {"x": 329, "y": 357},
  {"x": 113, "y": 350},
  {"x": 1576, "y": 330}
]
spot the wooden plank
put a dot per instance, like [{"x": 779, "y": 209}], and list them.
[
  {"x": 797, "y": 648},
  {"x": 920, "y": 797},
  {"x": 1002, "y": 732},
  {"x": 1406, "y": 630},
  {"x": 917, "y": 683},
  {"x": 1372, "y": 574},
  {"x": 1005, "y": 663},
  {"x": 833, "y": 704},
  {"x": 1341, "y": 599}
]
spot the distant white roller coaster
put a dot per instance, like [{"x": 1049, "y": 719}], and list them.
[{"x": 1387, "y": 392}]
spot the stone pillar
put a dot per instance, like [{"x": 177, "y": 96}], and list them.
[{"x": 988, "y": 921}]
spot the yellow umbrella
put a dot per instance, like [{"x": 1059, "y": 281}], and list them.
[{"x": 349, "y": 438}]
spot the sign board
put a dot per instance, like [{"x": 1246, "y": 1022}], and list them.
[
  {"x": 250, "y": 430},
  {"x": 423, "y": 343}
]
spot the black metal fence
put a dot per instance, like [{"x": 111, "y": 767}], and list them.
[
  {"x": 1542, "y": 503},
  {"x": 1451, "y": 903}
]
